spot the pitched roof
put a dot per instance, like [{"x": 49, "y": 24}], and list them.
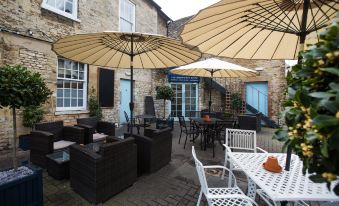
[
  {"x": 175, "y": 27},
  {"x": 161, "y": 13}
]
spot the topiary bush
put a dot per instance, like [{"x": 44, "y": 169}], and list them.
[
  {"x": 312, "y": 109},
  {"x": 236, "y": 103},
  {"x": 165, "y": 93},
  {"x": 20, "y": 87}
]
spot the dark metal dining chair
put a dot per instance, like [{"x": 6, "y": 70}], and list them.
[
  {"x": 219, "y": 129},
  {"x": 131, "y": 124},
  {"x": 191, "y": 131}
]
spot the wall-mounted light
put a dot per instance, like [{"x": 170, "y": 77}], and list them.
[
  {"x": 128, "y": 73},
  {"x": 259, "y": 69},
  {"x": 30, "y": 32}
]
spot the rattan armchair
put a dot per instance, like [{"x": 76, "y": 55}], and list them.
[
  {"x": 99, "y": 176},
  {"x": 92, "y": 126},
  {"x": 154, "y": 149},
  {"x": 52, "y": 136}
]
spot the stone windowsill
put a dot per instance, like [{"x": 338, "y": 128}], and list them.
[{"x": 71, "y": 112}]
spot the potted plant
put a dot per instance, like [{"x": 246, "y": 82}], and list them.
[
  {"x": 165, "y": 93},
  {"x": 236, "y": 103},
  {"x": 312, "y": 110},
  {"x": 21, "y": 88},
  {"x": 93, "y": 105},
  {"x": 30, "y": 116}
]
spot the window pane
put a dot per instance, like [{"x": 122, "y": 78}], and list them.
[
  {"x": 67, "y": 92},
  {"x": 74, "y": 93},
  {"x": 74, "y": 74},
  {"x": 61, "y": 73},
  {"x": 51, "y": 2},
  {"x": 80, "y": 93},
  {"x": 60, "y": 5},
  {"x": 74, "y": 85},
  {"x": 74, "y": 66},
  {"x": 60, "y": 84},
  {"x": 67, "y": 84},
  {"x": 80, "y": 85},
  {"x": 74, "y": 103},
  {"x": 68, "y": 74},
  {"x": 61, "y": 63},
  {"x": 60, "y": 93},
  {"x": 68, "y": 64},
  {"x": 81, "y": 75},
  {"x": 67, "y": 102},
  {"x": 81, "y": 67},
  {"x": 69, "y": 7},
  {"x": 60, "y": 103},
  {"x": 80, "y": 103}
]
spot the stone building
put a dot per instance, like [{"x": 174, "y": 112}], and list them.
[
  {"x": 27, "y": 30},
  {"x": 265, "y": 92}
]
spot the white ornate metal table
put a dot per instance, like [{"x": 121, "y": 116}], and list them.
[{"x": 285, "y": 186}]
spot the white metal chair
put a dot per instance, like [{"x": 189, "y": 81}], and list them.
[
  {"x": 231, "y": 196},
  {"x": 241, "y": 140}
]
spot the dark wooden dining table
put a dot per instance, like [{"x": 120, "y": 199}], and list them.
[{"x": 207, "y": 127}]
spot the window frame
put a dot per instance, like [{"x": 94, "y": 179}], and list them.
[
  {"x": 85, "y": 85},
  {"x": 120, "y": 17},
  {"x": 73, "y": 16}
]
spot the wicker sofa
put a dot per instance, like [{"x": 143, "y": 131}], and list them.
[
  {"x": 52, "y": 136},
  {"x": 154, "y": 149},
  {"x": 95, "y": 130},
  {"x": 250, "y": 122},
  {"x": 99, "y": 176}
]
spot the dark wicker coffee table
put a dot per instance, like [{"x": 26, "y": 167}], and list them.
[{"x": 58, "y": 164}]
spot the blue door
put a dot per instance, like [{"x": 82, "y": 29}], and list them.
[
  {"x": 257, "y": 96},
  {"x": 125, "y": 98}
]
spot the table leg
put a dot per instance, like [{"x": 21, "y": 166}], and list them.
[{"x": 251, "y": 188}]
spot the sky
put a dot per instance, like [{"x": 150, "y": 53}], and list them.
[{"x": 177, "y": 9}]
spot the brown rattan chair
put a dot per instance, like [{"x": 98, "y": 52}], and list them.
[
  {"x": 154, "y": 149},
  {"x": 93, "y": 127},
  {"x": 97, "y": 176},
  {"x": 52, "y": 136}
]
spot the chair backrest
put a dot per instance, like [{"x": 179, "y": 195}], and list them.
[
  {"x": 182, "y": 122},
  {"x": 56, "y": 128},
  {"x": 241, "y": 139},
  {"x": 149, "y": 106},
  {"x": 221, "y": 125},
  {"x": 126, "y": 117},
  {"x": 90, "y": 121},
  {"x": 201, "y": 172}
]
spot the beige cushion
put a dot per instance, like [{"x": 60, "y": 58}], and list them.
[
  {"x": 62, "y": 144},
  {"x": 99, "y": 137}
]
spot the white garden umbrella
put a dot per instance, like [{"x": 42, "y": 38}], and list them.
[
  {"x": 213, "y": 68},
  {"x": 126, "y": 50}
]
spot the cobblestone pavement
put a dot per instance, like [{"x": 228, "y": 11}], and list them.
[{"x": 174, "y": 184}]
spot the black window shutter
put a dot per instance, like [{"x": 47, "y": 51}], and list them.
[{"x": 106, "y": 87}]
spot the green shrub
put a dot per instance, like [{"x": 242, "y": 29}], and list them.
[
  {"x": 236, "y": 102},
  {"x": 94, "y": 106},
  {"x": 32, "y": 115},
  {"x": 312, "y": 109}
]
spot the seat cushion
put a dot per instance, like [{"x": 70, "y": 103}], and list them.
[
  {"x": 62, "y": 144},
  {"x": 99, "y": 137}
]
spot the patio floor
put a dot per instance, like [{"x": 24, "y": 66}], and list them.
[{"x": 174, "y": 184}]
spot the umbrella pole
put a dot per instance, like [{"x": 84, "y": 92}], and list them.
[
  {"x": 131, "y": 104},
  {"x": 301, "y": 48},
  {"x": 210, "y": 101}
]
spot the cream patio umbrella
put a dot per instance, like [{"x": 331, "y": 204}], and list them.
[
  {"x": 213, "y": 68},
  {"x": 125, "y": 50},
  {"x": 259, "y": 29}
]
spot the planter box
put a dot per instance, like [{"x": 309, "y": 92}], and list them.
[
  {"x": 24, "y": 191},
  {"x": 24, "y": 142}
]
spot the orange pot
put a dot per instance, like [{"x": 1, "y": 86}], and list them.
[{"x": 272, "y": 165}]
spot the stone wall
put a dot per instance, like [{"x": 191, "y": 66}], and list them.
[{"x": 18, "y": 46}]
